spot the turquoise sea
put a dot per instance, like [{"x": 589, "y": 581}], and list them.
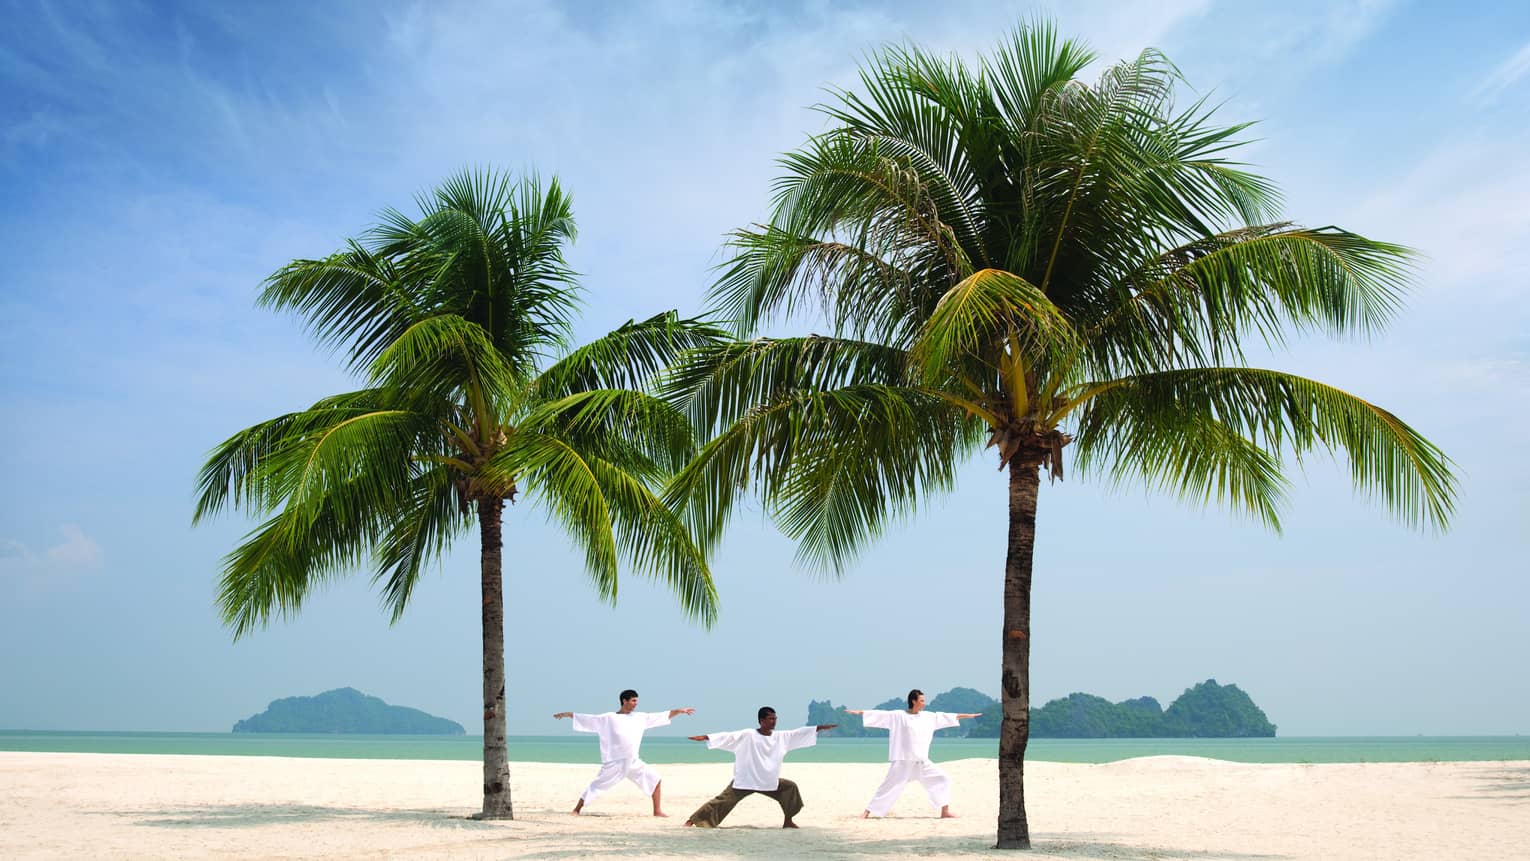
[{"x": 669, "y": 749}]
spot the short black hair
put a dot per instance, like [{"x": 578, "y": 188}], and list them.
[
  {"x": 629, "y": 694},
  {"x": 914, "y": 695},
  {"x": 764, "y": 710}
]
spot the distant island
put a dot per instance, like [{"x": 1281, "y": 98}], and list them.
[
  {"x": 346, "y": 710},
  {"x": 1207, "y": 710}
]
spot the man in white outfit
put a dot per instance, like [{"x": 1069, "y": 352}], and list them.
[
  {"x": 908, "y": 749},
  {"x": 621, "y": 732},
  {"x": 757, "y": 756}
]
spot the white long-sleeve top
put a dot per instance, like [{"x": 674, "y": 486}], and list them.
[
  {"x": 908, "y": 735},
  {"x": 620, "y": 734},
  {"x": 757, "y": 757}
]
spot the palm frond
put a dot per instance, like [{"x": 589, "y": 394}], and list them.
[
  {"x": 420, "y": 532},
  {"x": 240, "y": 473},
  {"x": 353, "y": 299},
  {"x": 454, "y": 359},
  {"x": 633, "y": 356},
  {"x": 1030, "y": 70},
  {"x": 864, "y": 461},
  {"x": 840, "y": 191},
  {"x": 1195, "y": 301},
  {"x": 641, "y": 432},
  {"x": 310, "y": 541},
  {"x": 902, "y": 441},
  {"x": 1181, "y": 452},
  {"x": 564, "y": 484},
  {"x": 719, "y": 384},
  {"x": 1286, "y": 414},
  {"x": 656, "y": 540},
  {"x": 990, "y": 313}
]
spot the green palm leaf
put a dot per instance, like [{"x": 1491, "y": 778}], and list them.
[{"x": 1282, "y": 413}]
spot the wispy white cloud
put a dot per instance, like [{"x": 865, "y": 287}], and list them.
[
  {"x": 73, "y": 554},
  {"x": 1321, "y": 34},
  {"x": 1466, "y": 205},
  {"x": 1507, "y": 74},
  {"x": 76, "y": 552}
]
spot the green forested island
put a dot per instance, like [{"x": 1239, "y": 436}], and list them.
[
  {"x": 1207, "y": 710},
  {"x": 346, "y": 710}
]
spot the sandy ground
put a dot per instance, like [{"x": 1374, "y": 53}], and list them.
[{"x": 61, "y": 805}]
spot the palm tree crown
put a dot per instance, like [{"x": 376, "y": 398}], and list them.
[
  {"x": 456, "y": 318},
  {"x": 1012, "y": 257}
]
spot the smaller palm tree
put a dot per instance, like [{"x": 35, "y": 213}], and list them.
[{"x": 450, "y": 316}]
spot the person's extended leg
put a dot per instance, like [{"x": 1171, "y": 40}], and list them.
[
  {"x": 657, "y": 809},
  {"x": 711, "y": 814},
  {"x": 610, "y": 774},
  {"x": 898, "y": 774},
  {"x": 789, "y": 797},
  {"x": 938, "y": 785},
  {"x": 646, "y": 780}
]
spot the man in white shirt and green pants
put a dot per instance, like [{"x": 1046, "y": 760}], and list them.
[
  {"x": 757, "y": 756},
  {"x": 908, "y": 750}
]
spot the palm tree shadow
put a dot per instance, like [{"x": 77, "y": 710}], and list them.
[
  {"x": 255, "y": 815},
  {"x": 1104, "y": 846},
  {"x": 757, "y": 840},
  {"x": 534, "y": 842},
  {"x": 1506, "y": 784}
]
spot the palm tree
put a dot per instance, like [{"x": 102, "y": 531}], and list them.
[
  {"x": 1011, "y": 257},
  {"x": 450, "y": 317}
]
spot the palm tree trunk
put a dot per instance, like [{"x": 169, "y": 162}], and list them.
[
  {"x": 1015, "y": 729},
  {"x": 496, "y": 756}
]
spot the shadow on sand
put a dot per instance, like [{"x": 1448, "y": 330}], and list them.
[
  {"x": 253, "y": 815},
  {"x": 532, "y": 837},
  {"x": 1505, "y": 784}
]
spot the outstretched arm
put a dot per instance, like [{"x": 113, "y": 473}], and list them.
[
  {"x": 562, "y": 715},
  {"x": 965, "y": 716},
  {"x": 697, "y": 737},
  {"x": 823, "y": 727},
  {"x": 673, "y": 712},
  {"x": 855, "y": 711}
]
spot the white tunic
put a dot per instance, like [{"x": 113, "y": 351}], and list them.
[
  {"x": 620, "y": 734},
  {"x": 909, "y": 735},
  {"x": 757, "y": 757}
]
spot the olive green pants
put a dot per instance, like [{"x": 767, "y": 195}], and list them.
[{"x": 711, "y": 814}]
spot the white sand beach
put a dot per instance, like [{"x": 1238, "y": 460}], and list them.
[{"x": 63, "y": 805}]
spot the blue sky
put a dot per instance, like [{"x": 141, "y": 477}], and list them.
[{"x": 158, "y": 160}]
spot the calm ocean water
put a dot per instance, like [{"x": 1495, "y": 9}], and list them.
[{"x": 668, "y": 749}]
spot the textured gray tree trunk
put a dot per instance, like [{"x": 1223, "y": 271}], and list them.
[
  {"x": 1015, "y": 685},
  {"x": 496, "y": 756}
]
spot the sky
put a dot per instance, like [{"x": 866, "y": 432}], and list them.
[{"x": 158, "y": 160}]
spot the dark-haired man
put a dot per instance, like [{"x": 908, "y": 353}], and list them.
[
  {"x": 908, "y": 750},
  {"x": 621, "y": 732},
  {"x": 757, "y": 756}
]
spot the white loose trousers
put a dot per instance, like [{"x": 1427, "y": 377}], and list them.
[
  {"x": 899, "y": 774},
  {"x": 612, "y": 773}
]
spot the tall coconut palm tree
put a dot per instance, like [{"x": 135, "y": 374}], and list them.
[
  {"x": 1012, "y": 257},
  {"x": 453, "y": 317}
]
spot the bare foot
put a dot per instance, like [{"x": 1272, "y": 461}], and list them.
[
  {"x": 663, "y": 814},
  {"x": 573, "y": 813},
  {"x": 789, "y": 824},
  {"x": 689, "y": 824},
  {"x": 946, "y": 814},
  {"x": 865, "y": 814}
]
